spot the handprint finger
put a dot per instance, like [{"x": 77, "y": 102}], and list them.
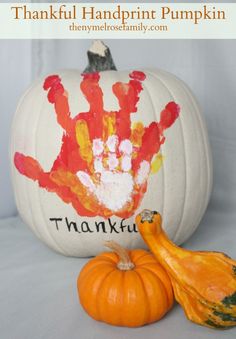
[
  {"x": 112, "y": 143},
  {"x": 94, "y": 95},
  {"x": 98, "y": 147},
  {"x": 126, "y": 147},
  {"x": 126, "y": 163},
  {"x": 83, "y": 140},
  {"x": 150, "y": 145},
  {"x": 112, "y": 161},
  {"x": 58, "y": 96},
  {"x": 169, "y": 115},
  {"x": 98, "y": 165},
  {"x": 86, "y": 180},
  {"x": 143, "y": 172},
  {"x": 128, "y": 97},
  {"x": 28, "y": 166}
]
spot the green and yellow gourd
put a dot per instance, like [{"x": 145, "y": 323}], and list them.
[{"x": 204, "y": 283}]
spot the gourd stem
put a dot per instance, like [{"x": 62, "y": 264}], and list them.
[
  {"x": 100, "y": 58},
  {"x": 125, "y": 263}
]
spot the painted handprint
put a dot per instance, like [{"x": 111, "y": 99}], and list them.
[
  {"x": 105, "y": 160},
  {"x": 112, "y": 168}
]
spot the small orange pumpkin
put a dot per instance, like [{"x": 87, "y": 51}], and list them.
[{"x": 125, "y": 288}]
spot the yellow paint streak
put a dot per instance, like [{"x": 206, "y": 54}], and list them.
[
  {"x": 109, "y": 123},
  {"x": 83, "y": 139},
  {"x": 137, "y": 133},
  {"x": 157, "y": 163}
]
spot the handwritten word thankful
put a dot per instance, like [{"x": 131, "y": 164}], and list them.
[{"x": 107, "y": 226}]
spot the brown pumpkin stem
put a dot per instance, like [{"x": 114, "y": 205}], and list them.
[
  {"x": 100, "y": 58},
  {"x": 125, "y": 263}
]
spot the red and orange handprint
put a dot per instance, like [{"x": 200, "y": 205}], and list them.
[{"x": 105, "y": 160}]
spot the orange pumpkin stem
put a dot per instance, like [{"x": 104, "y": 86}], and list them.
[{"x": 125, "y": 263}]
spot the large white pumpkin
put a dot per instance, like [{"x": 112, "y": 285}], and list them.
[{"x": 117, "y": 158}]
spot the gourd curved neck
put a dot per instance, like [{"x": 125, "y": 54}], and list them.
[{"x": 165, "y": 250}]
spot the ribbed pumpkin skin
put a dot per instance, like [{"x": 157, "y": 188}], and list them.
[
  {"x": 180, "y": 190},
  {"x": 125, "y": 298}
]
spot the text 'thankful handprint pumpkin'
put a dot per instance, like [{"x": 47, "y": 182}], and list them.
[{"x": 104, "y": 161}]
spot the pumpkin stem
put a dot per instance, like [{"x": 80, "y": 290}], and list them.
[
  {"x": 125, "y": 263},
  {"x": 100, "y": 58}
]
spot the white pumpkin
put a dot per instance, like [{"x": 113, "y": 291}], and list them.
[{"x": 75, "y": 203}]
